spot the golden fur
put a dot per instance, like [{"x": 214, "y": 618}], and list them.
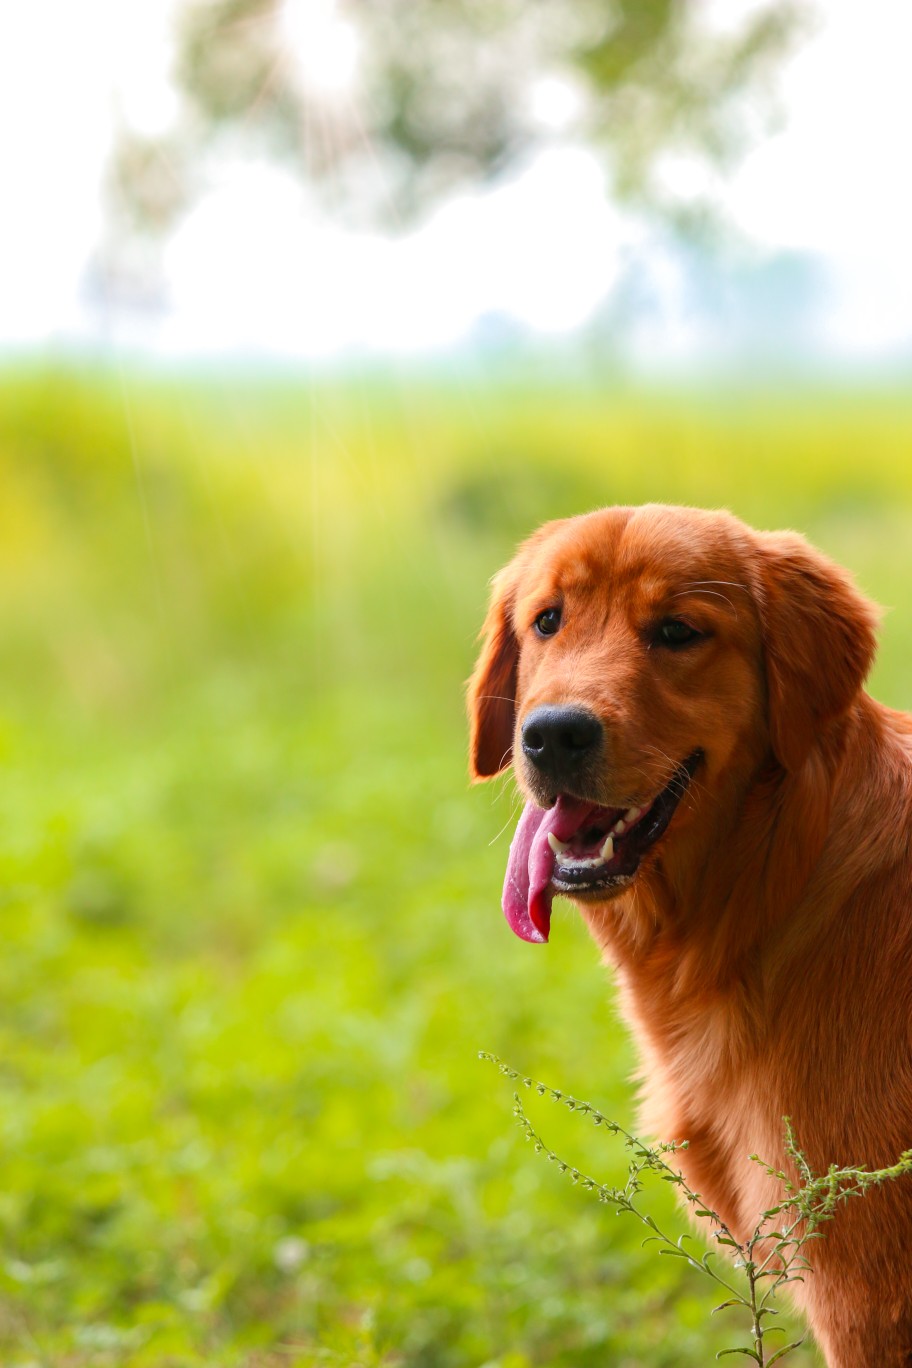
[{"x": 764, "y": 950}]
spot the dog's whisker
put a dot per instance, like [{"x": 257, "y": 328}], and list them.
[
  {"x": 506, "y": 826},
  {"x": 725, "y": 584},
  {"x": 706, "y": 593}
]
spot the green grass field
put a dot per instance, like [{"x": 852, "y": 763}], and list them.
[{"x": 251, "y": 925}]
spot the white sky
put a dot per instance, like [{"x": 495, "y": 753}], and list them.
[{"x": 252, "y": 271}]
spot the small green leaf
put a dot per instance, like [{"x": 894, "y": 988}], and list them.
[{"x": 786, "y": 1349}]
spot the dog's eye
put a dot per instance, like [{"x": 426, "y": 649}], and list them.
[
  {"x": 675, "y": 632},
  {"x": 547, "y": 623}
]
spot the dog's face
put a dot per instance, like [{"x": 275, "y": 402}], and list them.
[{"x": 641, "y": 666}]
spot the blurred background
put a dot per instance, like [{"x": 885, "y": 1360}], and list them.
[{"x": 308, "y": 312}]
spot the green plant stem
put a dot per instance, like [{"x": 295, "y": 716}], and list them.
[{"x": 806, "y": 1207}]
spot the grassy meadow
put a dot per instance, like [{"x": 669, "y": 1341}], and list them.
[{"x": 252, "y": 941}]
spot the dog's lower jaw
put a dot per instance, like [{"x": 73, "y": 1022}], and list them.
[{"x": 605, "y": 893}]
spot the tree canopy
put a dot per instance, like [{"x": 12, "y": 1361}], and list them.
[{"x": 386, "y": 105}]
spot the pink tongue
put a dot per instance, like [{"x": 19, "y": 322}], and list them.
[{"x": 527, "y": 890}]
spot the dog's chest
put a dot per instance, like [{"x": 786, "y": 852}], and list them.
[
  {"x": 691, "y": 1071},
  {"x": 704, "y": 1081}
]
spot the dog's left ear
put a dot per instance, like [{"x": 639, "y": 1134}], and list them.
[
  {"x": 492, "y": 689},
  {"x": 819, "y": 639}
]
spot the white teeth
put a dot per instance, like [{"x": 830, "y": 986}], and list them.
[
  {"x": 595, "y": 862},
  {"x": 619, "y": 827},
  {"x": 631, "y": 815},
  {"x": 556, "y": 845},
  {"x": 607, "y": 850}
]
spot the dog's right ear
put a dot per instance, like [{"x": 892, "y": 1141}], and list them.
[
  {"x": 819, "y": 640},
  {"x": 492, "y": 689}
]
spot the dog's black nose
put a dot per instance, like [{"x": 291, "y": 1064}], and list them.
[{"x": 558, "y": 740}]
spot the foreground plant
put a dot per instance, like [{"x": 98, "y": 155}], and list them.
[{"x": 770, "y": 1258}]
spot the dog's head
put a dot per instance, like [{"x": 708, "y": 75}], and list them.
[{"x": 633, "y": 657}]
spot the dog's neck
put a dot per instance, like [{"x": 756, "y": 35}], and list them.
[
  {"x": 698, "y": 922},
  {"x": 711, "y": 963}
]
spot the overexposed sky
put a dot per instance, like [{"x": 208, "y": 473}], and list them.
[
  {"x": 836, "y": 180},
  {"x": 253, "y": 271},
  {"x": 64, "y": 69}
]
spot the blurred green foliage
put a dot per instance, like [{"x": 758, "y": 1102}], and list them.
[
  {"x": 251, "y": 932},
  {"x": 434, "y": 96}
]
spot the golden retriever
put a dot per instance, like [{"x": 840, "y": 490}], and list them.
[{"x": 707, "y": 780}]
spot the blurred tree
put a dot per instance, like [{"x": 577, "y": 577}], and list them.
[{"x": 386, "y": 105}]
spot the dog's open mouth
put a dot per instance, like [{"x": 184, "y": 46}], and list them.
[{"x": 581, "y": 850}]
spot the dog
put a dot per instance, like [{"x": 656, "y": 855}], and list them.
[{"x": 706, "y": 779}]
